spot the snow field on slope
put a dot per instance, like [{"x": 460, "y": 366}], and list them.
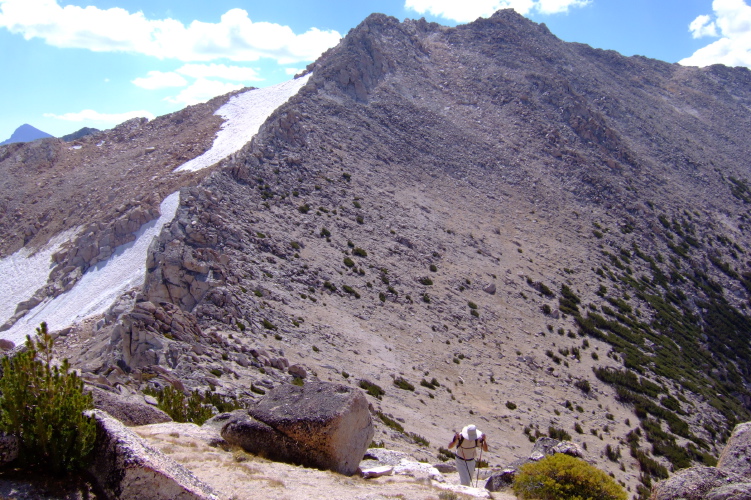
[
  {"x": 244, "y": 115},
  {"x": 22, "y": 274},
  {"x": 101, "y": 285}
]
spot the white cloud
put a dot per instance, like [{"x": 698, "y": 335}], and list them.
[
  {"x": 234, "y": 37},
  {"x": 89, "y": 115},
  {"x": 702, "y": 26},
  {"x": 234, "y": 73},
  {"x": 202, "y": 90},
  {"x": 732, "y": 23},
  {"x": 292, "y": 71},
  {"x": 469, "y": 10},
  {"x": 160, "y": 80}
]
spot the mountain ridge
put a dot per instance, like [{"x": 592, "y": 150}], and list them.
[{"x": 557, "y": 234}]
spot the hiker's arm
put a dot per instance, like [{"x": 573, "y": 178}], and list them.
[
  {"x": 484, "y": 443},
  {"x": 453, "y": 441}
]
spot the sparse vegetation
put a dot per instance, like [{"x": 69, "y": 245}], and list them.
[{"x": 372, "y": 389}]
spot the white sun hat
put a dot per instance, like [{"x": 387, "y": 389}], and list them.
[{"x": 471, "y": 433}]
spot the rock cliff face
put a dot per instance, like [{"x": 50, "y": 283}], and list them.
[{"x": 542, "y": 235}]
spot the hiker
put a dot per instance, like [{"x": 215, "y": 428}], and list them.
[{"x": 467, "y": 441}]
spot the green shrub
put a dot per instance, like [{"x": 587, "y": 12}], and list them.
[
  {"x": 372, "y": 389},
  {"x": 43, "y": 405},
  {"x": 401, "y": 383},
  {"x": 562, "y": 477},
  {"x": 433, "y": 268},
  {"x": 510, "y": 405},
  {"x": 349, "y": 262},
  {"x": 268, "y": 324},
  {"x": 419, "y": 439},
  {"x": 197, "y": 407},
  {"x": 444, "y": 454},
  {"x": 426, "y": 281},
  {"x": 389, "y": 422},
  {"x": 360, "y": 252},
  {"x": 558, "y": 434}
]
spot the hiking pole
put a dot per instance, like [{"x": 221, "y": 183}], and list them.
[{"x": 479, "y": 464}]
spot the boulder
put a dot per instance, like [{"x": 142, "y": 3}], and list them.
[
  {"x": 319, "y": 424},
  {"x": 694, "y": 483},
  {"x": 497, "y": 482},
  {"x": 6, "y": 345},
  {"x": 736, "y": 491},
  {"x": 383, "y": 470},
  {"x": 728, "y": 481},
  {"x": 125, "y": 467},
  {"x": 489, "y": 288},
  {"x": 736, "y": 457},
  {"x": 297, "y": 371},
  {"x": 129, "y": 411},
  {"x": 401, "y": 463}
]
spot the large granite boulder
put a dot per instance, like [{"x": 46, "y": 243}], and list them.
[
  {"x": 130, "y": 411},
  {"x": 730, "y": 480},
  {"x": 736, "y": 457},
  {"x": 125, "y": 467},
  {"x": 319, "y": 424}
]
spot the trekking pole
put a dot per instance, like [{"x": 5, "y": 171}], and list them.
[{"x": 479, "y": 464}]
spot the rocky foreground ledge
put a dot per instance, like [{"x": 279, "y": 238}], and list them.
[{"x": 312, "y": 441}]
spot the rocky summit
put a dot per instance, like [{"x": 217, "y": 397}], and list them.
[{"x": 475, "y": 224}]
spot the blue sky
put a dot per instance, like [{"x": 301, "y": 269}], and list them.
[{"x": 74, "y": 63}]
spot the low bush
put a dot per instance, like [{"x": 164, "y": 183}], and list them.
[
  {"x": 43, "y": 405},
  {"x": 403, "y": 384},
  {"x": 372, "y": 389},
  {"x": 562, "y": 477}
]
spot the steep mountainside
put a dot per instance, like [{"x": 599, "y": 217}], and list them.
[{"x": 485, "y": 222}]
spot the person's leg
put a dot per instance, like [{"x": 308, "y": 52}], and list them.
[
  {"x": 462, "y": 467},
  {"x": 471, "y": 472}
]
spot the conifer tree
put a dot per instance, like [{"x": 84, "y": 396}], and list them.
[{"x": 43, "y": 405}]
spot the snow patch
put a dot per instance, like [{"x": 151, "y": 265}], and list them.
[
  {"x": 100, "y": 286},
  {"x": 22, "y": 274},
  {"x": 244, "y": 115}
]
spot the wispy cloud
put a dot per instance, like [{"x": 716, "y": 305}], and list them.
[
  {"x": 202, "y": 90},
  {"x": 89, "y": 115},
  {"x": 731, "y": 23},
  {"x": 235, "y": 37},
  {"x": 233, "y": 73},
  {"x": 160, "y": 80},
  {"x": 469, "y": 10}
]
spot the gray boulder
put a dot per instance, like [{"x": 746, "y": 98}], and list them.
[
  {"x": 737, "y": 491},
  {"x": 693, "y": 483},
  {"x": 736, "y": 457},
  {"x": 728, "y": 481},
  {"x": 319, "y": 424},
  {"x": 125, "y": 467},
  {"x": 130, "y": 411}
]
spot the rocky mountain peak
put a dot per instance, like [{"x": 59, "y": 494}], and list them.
[{"x": 555, "y": 236}]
